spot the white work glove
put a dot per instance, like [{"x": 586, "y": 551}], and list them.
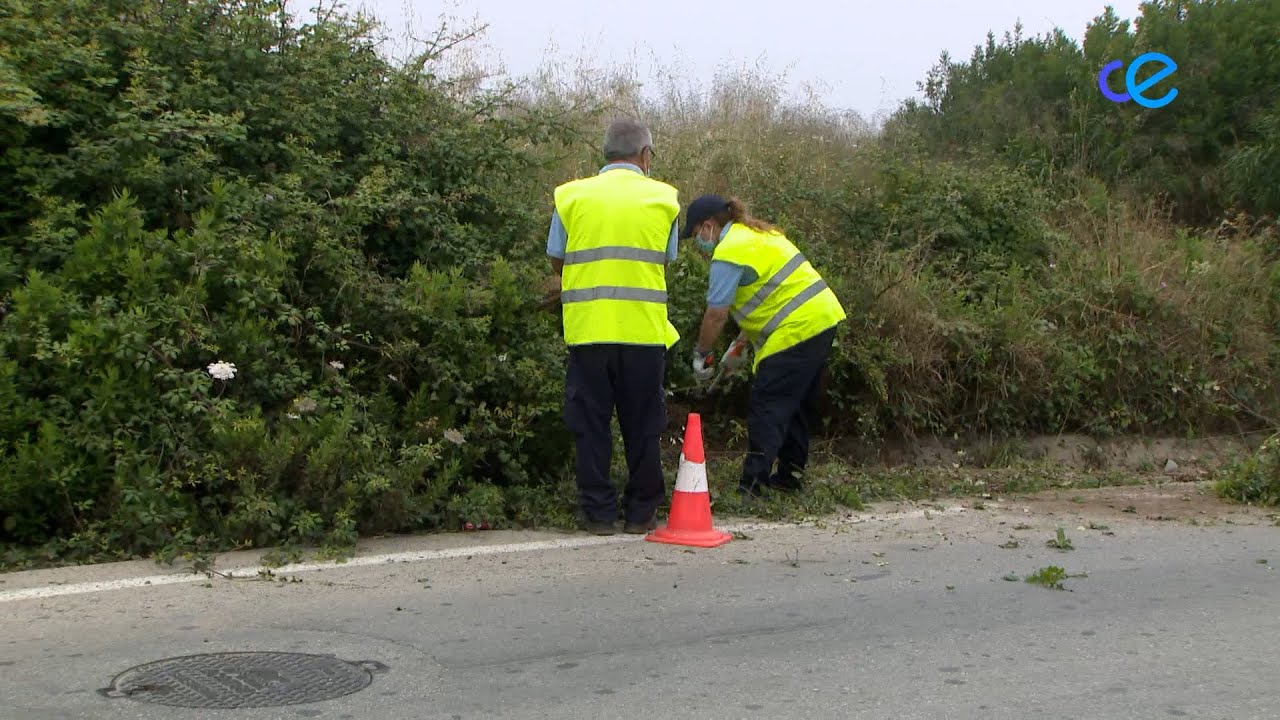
[
  {"x": 704, "y": 365},
  {"x": 736, "y": 356}
]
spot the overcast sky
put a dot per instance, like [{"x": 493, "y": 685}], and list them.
[{"x": 864, "y": 55}]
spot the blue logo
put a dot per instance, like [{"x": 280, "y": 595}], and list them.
[{"x": 1131, "y": 84}]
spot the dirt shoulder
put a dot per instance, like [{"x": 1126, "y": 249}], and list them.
[
  {"x": 1185, "y": 502},
  {"x": 1191, "y": 503}
]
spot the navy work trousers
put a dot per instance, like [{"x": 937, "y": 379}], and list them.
[
  {"x": 628, "y": 378},
  {"x": 783, "y": 410}
]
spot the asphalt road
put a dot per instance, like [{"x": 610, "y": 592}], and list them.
[{"x": 892, "y": 614}]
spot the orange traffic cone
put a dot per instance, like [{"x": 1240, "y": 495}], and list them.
[{"x": 689, "y": 522}]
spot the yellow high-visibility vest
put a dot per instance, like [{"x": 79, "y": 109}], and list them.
[
  {"x": 614, "y": 286},
  {"x": 788, "y": 302}
]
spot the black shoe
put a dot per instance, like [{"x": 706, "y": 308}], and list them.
[
  {"x": 598, "y": 527},
  {"x": 642, "y": 528},
  {"x": 786, "y": 485}
]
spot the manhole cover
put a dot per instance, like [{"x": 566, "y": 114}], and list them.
[{"x": 243, "y": 680}]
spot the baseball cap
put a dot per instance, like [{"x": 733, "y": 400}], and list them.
[{"x": 699, "y": 210}]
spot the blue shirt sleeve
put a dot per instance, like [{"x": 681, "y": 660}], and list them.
[
  {"x": 673, "y": 244},
  {"x": 557, "y": 237},
  {"x": 725, "y": 278}
]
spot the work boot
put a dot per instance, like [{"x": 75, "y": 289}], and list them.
[
  {"x": 787, "y": 484},
  {"x": 643, "y": 527},
  {"x": 598, "y": 527}
]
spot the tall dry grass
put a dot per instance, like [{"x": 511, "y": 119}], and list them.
[{"x": 978, "y": 300}]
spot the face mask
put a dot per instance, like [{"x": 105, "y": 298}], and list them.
[{"x": 705, "y": 244}]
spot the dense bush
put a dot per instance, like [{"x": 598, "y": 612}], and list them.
[
  {"x": 198, "y": 183},
  {"x": 1255, "y": 478},
  {"x": 202, "y": 182}
]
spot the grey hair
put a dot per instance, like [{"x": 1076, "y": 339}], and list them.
[{"x": 625, "y": 138}]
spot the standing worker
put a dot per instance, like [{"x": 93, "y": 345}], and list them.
[
  {"x": 788, "y": 315},
  {"x": 611, "y": 238}
]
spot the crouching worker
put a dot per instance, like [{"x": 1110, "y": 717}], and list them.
[{"x": 788, "y": 315}]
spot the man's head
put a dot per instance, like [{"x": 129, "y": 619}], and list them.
[{"x": 628, "y": 140}]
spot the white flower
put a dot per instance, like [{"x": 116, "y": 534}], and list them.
[
  {"x": 305, "y": 405},
  {"x": 454, "y": 436},
  {"x": 293, "y": 416},
  {"x": 393, "y": 378},
  {"x": 502, "y": 357},
  {"x": 336, "y": 364},
  {"x": 222, "y": 370}
]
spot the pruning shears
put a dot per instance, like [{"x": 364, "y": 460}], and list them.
[
  {"x": 715, "y": 380},
  {"x": 722, "y": 369}
]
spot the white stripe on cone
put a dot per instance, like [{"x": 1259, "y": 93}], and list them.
[{"x": 692, "y": 477}]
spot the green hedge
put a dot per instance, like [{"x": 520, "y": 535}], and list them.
[{"x": 203, "y": 182}]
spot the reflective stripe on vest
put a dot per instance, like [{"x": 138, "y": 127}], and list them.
[
  {"x": 615, "y": 252},
  {"x": 767, "y": 289},
  {"x": 794, "y": 304},
  {"x": 608, "y": 292}
]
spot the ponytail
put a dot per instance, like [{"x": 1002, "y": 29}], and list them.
[{"x": 737, "y": 212}]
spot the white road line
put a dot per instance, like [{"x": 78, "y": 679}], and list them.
[{"x": 568, "y": 543}]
